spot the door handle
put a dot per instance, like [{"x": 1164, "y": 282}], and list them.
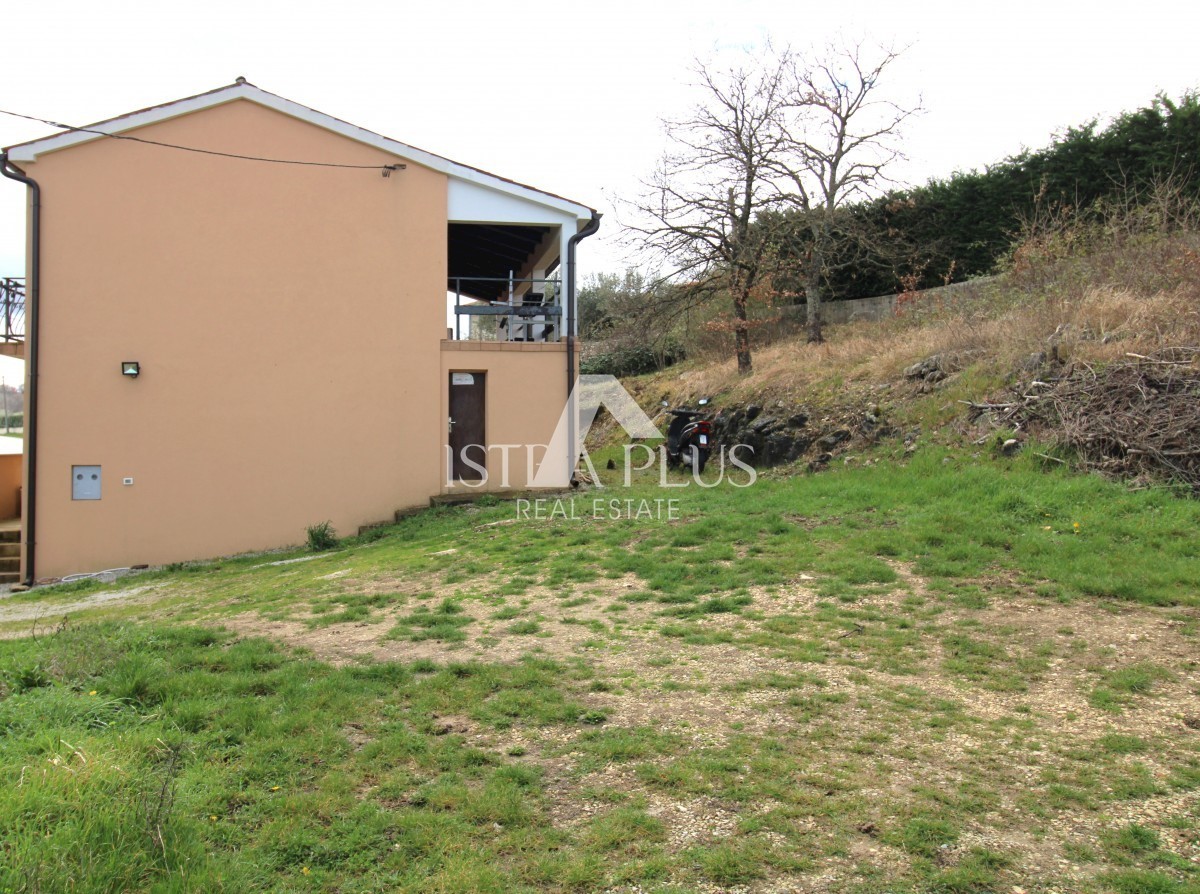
[{"x": 450, "y": 423}]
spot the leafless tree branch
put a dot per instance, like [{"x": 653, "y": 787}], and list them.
[{"x": 772, "y": 141}]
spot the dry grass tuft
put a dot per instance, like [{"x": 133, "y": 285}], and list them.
[{"x": 1139, "y": 299}]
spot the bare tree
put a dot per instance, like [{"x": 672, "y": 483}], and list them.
[
  {"x": 842, "y": 138},
  {"x": 768, "y": 137},
  {"x": 700, "y": 205}
]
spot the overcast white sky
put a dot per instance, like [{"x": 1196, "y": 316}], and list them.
[{"x": 568, "y": 96}]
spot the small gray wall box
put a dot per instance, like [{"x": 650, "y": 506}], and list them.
[{"x": 85, "y": 482}]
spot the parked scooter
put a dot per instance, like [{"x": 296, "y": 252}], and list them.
[{"x": 689, "y": 438}]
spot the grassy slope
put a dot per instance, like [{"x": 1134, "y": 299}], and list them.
[
  {"x": 944, "y": 674},
  {"x": 1130, "y": 293}
]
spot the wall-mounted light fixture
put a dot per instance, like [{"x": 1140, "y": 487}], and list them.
[{"x": 131, "y": 368}]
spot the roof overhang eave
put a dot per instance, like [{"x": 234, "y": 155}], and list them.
[{"x": 28, "y": 152}]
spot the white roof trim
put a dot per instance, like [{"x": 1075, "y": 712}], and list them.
[
  {"x": 28, "y": 152},
  {"x": 468, "y": 202}
]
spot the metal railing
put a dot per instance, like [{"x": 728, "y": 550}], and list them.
[
  {"x": 12, "y": 308},
  {"x": 528, "y": 310}
]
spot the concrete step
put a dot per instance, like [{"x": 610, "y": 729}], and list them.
[
  {"x": 397, "y": 517},
  {"x": 463, "y": 498},
  {"x": 402, "y": 514},
  {"x": 459, "y": 499}
]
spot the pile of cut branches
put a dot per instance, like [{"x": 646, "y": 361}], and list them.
[{"x": 1138, "y": 417}]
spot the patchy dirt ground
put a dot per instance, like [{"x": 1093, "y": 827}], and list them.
[
  {"x": 883, "y": 695},
  {"x": 1044, "y": 726},
  {"x": 14, "y": 612}
]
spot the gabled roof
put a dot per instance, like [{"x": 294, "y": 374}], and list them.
[{"x": 29, "y": 151}]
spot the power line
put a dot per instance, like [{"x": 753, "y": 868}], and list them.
[{"x": 387, "y": 169}]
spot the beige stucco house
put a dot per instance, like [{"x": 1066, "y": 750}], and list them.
[{"x": 246, "y": 317}]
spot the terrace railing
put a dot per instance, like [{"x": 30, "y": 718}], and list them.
[
  {"x": 12, "y": 309},
  {"x": 526, "y": 310}
]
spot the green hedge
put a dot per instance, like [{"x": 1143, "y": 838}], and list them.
[{"x": 631, "y": 361}]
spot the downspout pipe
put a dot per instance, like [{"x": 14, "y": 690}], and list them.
[
  {"x": 31, "y": 357},
  {"x": 592, "y": 226}
]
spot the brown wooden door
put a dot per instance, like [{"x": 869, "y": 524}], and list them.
[{"x": 467, "y": 436}]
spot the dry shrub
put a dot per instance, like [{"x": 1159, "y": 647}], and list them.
[
  {"x": 1086, "y": 283},
  {"x": 1106, "y": 322},
  {"x": 1138, "y": 417},
  {"x": 999, "y": 325}
]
